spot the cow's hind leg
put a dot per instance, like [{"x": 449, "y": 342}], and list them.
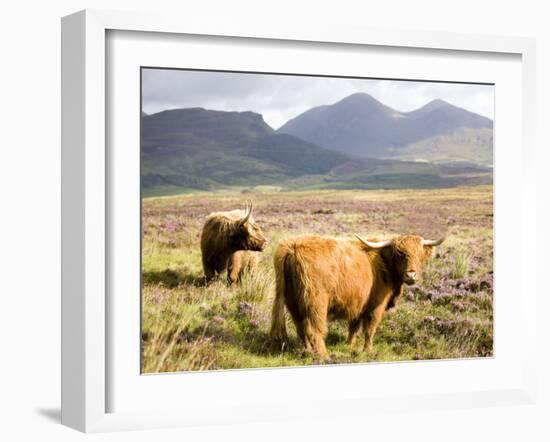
[
  {"x": 296, "y": 313},
  {"x": 354, "y": 328}
]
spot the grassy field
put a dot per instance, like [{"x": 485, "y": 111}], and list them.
[{"x": 186, "y": 326}]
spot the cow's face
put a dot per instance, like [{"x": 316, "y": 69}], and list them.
[
  {"x": 246, "y": 234},
  {"x": 249, "y": 236},
  {"x": 409, "y": 255}
]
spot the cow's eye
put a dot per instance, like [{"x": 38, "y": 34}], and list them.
[{"x": 400, "y": 254}]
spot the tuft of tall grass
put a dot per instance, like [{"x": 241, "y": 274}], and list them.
[
  {"x": 256, "y": 286},
  {"x": 467, "y": 342},
  {"x": 460, "y": 263},
  {"x": 164, "y": 347}
]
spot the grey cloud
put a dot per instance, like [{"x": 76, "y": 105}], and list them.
[{"x": 279, "y": 98}]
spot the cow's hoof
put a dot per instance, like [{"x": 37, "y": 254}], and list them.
[
  {"x": 322, "y": 360},
  {"x": 279, "y": 345}
]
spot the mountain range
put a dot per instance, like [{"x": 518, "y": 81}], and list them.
[
  {"x": 356, "y": 142},
  {"x": 360, "y": 125},
  {"x": 203, "y": 149}
]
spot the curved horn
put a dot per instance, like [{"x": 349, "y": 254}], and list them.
[
  {"x": 433, "y": 242},
  {"x": 248, "y": 212},
  {"x": 374, "y": 244}
]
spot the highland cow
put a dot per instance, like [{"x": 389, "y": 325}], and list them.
[
  {"x": 230, "y": 241},
  {"x": 352, "y": 279}
]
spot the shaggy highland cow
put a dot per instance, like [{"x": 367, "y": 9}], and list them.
[
  {"x": 229, "y": 241},
  {"x": 351, "y": 279}
]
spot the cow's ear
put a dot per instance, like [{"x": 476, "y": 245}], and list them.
[
  {"x": 388, "y": 253},
  {"x": 237, "y": 229},
  {"x": 428, "y": 251}
]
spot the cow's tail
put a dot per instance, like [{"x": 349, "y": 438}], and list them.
[{"x": 282, "y": 280}]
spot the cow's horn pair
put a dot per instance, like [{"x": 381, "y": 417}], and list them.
[
  {"x": 380, "y": 244},
  {"x": 248, "y": 212}
]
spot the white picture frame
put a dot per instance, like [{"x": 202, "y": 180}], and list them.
[{"x": 86, "y": 209}]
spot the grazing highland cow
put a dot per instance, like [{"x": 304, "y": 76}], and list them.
[
  {"x": 229, "y": 241},
  {"x": 351, "y": 279}
]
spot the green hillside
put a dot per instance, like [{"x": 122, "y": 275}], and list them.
[
  {"x": 464, "y": 144},
  {"x": 198, "y": 149}
]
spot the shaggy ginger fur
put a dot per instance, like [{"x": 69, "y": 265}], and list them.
[
  {"x": 229, "y": 244},
  {"x": 322, "y": 277}
]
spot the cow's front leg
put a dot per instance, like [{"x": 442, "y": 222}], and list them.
[
  {"x": 397, "y": 292},
  {"x": 234, "y": 270},
  {"x": 370, "y": 324},
  {"x": 212, "y": 268},
  {"x": 233, "y": 277},
  {"x": 315, "y": 330},
  {"x": 209, "y": 275}
]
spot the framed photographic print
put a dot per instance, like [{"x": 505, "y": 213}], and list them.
[{"x": 252, "y": 214}]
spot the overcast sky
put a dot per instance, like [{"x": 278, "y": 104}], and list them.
[{"x": 281, "y": 97}]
